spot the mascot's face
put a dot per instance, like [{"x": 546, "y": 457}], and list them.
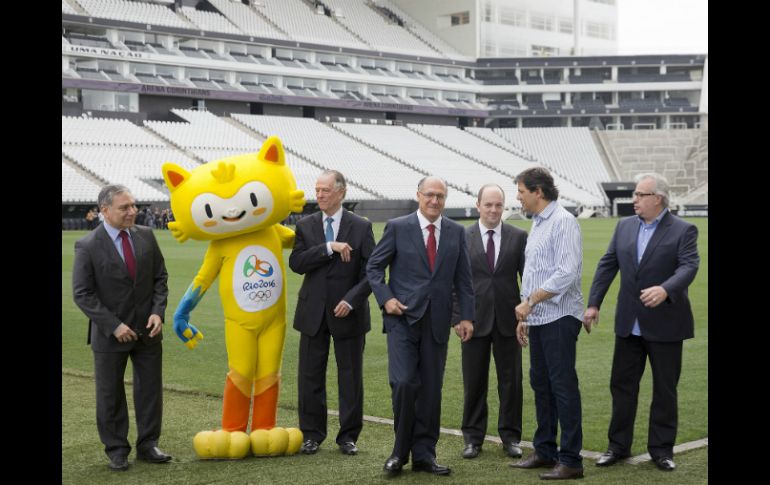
[
  {"x": 250, "y": 206},
  {"x": 232, "y": 196}
]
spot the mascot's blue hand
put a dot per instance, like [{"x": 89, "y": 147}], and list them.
[{"x": 187, "y": 332}]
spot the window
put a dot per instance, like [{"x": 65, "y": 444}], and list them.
[
  {"x": 600, "y": 30},
  {"x": 513, "y": 17},
  {"x": 540, "y": 22},
  {"x": 565, "y": 26},
  {"x": 544, "y": 50},
  {"x": 488, "y": 13},
  {"x": 460, "y": 18}
]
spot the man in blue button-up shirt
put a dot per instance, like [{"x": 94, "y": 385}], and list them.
[{"x": 550, "y": 316}]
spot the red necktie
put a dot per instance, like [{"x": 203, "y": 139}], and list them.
[
  {"x": 431, "y": 248},
  {"x": 491, "y": 250},
  {"x": 128, "y": 254}
]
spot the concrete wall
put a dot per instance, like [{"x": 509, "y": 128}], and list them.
[
  {"x": 281, "y": 110},
  {"x": 434, "y": 15},
  {"x": 427, "y": 119},
  {"x": 158, "y": 108},
  {"x": 348, "y": 113}
]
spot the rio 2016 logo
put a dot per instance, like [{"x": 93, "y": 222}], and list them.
[
  {"x": 254, "y": 266},
  {"x": 257, "y": 279}
]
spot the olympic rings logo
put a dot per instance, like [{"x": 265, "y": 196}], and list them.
[{"x": 260, "y": 295}]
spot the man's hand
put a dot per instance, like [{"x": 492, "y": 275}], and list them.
[
  {"x": 124, "y": 334},
  {"x": 343, "y": 248},
  {"x": 523, "y": 310},
  {"x": 342, "y": 309},
  {"x": 653, "y": 296},
  {"x": 394, "y": 307},
  {"x": 155, "y": 323},
  {"x": 522, "y": 333},
  {"x": 590, "y": 318},
  {"x": 464, "y": 330}
]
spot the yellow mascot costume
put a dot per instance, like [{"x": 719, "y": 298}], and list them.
[{"x": 237, "y": 203}]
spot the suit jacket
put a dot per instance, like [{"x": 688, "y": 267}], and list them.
[
  {"x": 328, "y": 279},
  {"x": 402, "y": 248},
  {"x": 497, "y": 293},
  {"x": 670, "y": 260},
  {"x": 104, "y": 291}
]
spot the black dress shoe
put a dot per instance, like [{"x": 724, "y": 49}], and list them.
[
  {"x": 665, "y": 463},
  {"x": 310, "y": 447},
  {"x": 348, "y": 448},
  {"x": 118, "y": 463},
  {"x": 153, "y": 455},
  {"x": 562, "y": 472},
  {"x": 534, "y": 461},
  {"x": 394, "y": 465},
  {"x": 512, "y": 449},
  {"x": 610, "y": 457},
  {"x": 431, "y": 467},
  {"x": 471, "y": 450}
]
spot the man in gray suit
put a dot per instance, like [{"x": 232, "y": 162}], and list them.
[
  {"x": 119, "y": 282},
  {"x": 427, "y": 256},
  {"x": 657, "y": 256},
  {"x": 497, "y": 257}
]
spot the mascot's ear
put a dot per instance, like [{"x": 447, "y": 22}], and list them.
[
  {"x": 174, "y": 175},
  {"x": 272, "y": 151}
]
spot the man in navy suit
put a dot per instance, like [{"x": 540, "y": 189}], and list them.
[
  {"x": 427, "y": 257},
  {"x": 657, "y": 256},
  {"x": 119, "y": 281},
  {"x": 331, "y": 248}
]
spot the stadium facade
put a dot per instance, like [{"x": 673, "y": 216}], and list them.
[{"x": 467, "y": 89}]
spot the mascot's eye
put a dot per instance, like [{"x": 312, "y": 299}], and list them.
[
  {"x": 253, "y": 199},
  {"x": 208, "y": 211}
]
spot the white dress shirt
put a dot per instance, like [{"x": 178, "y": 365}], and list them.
[
  {"x": 496, "y": 237},
  {"x": 424, "y": 223},
  {"x": 335, "y": 227}
]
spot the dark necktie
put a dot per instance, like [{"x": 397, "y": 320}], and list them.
[
  {"x": 491, "y": 250},
  {"x": 329, "y": 229},
  {"x": 128, "y": 254},
  {"x": 431, "y": 247}
]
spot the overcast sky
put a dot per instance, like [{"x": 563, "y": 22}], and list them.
[{"x": 663, "y": 27}]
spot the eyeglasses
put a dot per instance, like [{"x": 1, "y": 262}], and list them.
[
  {"x": 643, "y": 194},
  {"x": 438, "y": 197}
]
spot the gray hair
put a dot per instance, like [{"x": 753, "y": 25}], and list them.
[
  {"x": 427, "y": 177},
  {"x": 108, "y": 192},
  {"x": 339, "y": 180},
  {"x": 661, "y": 184},
  {"x": 486, "y": 186}
]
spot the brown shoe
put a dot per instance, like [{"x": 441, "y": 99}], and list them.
[
  {"x": 534, "y": 461},
  {"x": 562, "y": 472}
]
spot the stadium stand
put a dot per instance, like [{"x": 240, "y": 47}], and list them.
[
  {"x": 76, "y": 188},
  {"x": 358, "y": 17},
  {"x": 145, "y": 13},
  {"x": 569, "y": 152},
  {"x": 294, "y": 63}
]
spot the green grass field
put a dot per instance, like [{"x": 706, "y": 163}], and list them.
[{"x": 202, "y": 371}]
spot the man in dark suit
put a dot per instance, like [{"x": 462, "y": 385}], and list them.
[
  {"x": 119, "y": 282},
  {"x": 657, "y": 256},
  {"x": 497, "y": 257},
  {"x": 427, "y": 256},
  {"x": 331, "y": 249}
]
